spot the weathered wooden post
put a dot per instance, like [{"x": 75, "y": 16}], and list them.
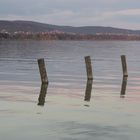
[
  {"x": 42, "y": 69},
  {"x": 88, "y": 68},
  {"x": 88, "y": 90},
  {"x": 125, "y": 75},
  {"x": 89, "y": 78},
  {"x": 42, "y": 95},
  {"x": 124, "y": 66},
  {"x": 124, "y": 84}
]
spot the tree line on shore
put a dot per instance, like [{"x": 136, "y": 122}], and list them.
[{"x": 65, "y": 36}]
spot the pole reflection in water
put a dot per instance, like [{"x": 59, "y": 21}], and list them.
[
  {"x": 124, "y": 84},
  {"x": 43, "y": 92},
  {"x": 88, "y": 90}
]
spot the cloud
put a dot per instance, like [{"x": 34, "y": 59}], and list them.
[
  {"x": 130, "y": 12},
  {"x": 127, "y": 12}
]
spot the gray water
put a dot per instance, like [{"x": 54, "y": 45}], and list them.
[{"x": 65, "y": 114}]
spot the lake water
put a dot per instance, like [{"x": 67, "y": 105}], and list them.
[{"x": 65, "y": 115}]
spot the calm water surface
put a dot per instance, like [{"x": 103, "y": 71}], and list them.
[{"x": 65, "y": 114}]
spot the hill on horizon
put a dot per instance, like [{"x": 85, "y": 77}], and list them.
[{"x": 35, "y": 27}]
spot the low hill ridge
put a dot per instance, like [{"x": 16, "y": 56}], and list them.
[{"x": 34, "y": 27}]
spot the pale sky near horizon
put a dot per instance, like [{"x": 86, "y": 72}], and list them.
[{"x": 115, "y": 13}]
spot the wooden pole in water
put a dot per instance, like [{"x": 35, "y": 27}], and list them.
[
  {"x": 88, "y": 90},
  {"x": 89, "y": 78},
  {"x": 125, "y": 75},
  {"x": 42, "y": 69},
  {"x": 124, "y": 84},
  {"x": 88, "y": 68},
  {"x": 124, "y": 66},
  {"x": 42, "y": 95}
]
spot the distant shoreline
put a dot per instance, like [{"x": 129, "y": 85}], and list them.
[{"x": 67, "y": 36}]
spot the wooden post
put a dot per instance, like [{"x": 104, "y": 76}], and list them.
[
  {"x": 124, "y": 66},
  {"x": 124, "y": 84},
  {"x": 125, "y": 75},
  {"x": 88, "y": 90},
  {"x": 43, "y": 92},
  {"x": 42, "y": 69},
  {"x": 88, "y": 68}
]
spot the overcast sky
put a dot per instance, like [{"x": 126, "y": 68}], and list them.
[{"x": 116, "y": 13}]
